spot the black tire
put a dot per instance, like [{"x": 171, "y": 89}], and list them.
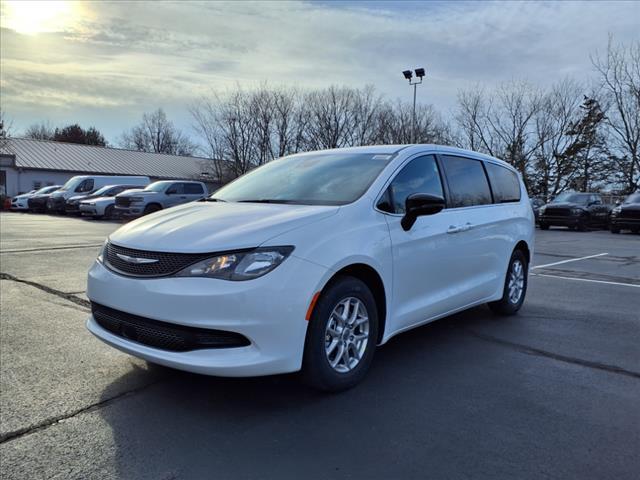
[
  {"x": 581, "y": 226},
  {"x": 109, "y": 212},
  {"x": 154, "y": 207},
  {"x": 505, "y": 306},
  {"x": 614, "y": 229},
  {"x": 544, "y": 226},
  {"x": 316, "y": 369}
]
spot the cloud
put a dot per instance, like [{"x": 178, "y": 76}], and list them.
[{"x": 122, "y": 59}]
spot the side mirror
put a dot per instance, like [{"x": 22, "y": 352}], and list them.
[{"x": 418, "y": 205}]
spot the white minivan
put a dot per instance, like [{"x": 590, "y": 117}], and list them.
[
  {"x": 313, "y": 260},
  {"x": 86, "y": 184}
]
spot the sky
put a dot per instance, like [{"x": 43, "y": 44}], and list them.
[{"x": 106, "y": 63}]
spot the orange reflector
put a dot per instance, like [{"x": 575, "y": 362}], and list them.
[{"x": 311, "y": 306}]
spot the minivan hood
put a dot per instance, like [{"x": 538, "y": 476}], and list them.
[{"x": 201, "y": 227}]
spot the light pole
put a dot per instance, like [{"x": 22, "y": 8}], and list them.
[{"x": 408, "y": 74}]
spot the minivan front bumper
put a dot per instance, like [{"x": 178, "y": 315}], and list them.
[{"x": 273, "y": 321}]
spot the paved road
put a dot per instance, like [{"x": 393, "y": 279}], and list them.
[{"x": 551, "y": 393}]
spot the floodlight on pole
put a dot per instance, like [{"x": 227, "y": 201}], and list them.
[{"x": 408, "y": 75}]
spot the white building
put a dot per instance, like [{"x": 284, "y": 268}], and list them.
[{"x": 27, "y": 164}]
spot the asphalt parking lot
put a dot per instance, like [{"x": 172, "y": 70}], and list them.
[{"x": 553, "y": 392}]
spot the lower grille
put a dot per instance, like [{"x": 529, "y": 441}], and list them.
[
  {"x": 163, "y": 335},
  {"x": 557, "y": 212}
]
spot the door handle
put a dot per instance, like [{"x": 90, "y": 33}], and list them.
[{"x": 459, "y": 228}]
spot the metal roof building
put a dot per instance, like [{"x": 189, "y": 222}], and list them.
[{"x": 26, "y": 164}]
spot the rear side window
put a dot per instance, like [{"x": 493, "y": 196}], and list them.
[
  {"x": 504, "y": 183},
  {"x": 467, "y": 181},
  {"x": 193, "y": 189},
  {"x": 420, "y": 175}
]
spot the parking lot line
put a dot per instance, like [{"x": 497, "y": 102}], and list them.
[
  {"x": 570, "y": 260},
  {"x": 586, "y": 280}
]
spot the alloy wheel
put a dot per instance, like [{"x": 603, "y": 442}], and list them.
[
  {"x": 347, "y": 334},
  {"x": 516, "y": 281}
]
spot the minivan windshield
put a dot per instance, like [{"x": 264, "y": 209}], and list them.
[
  {"x": 572, "y": 198},
  {"x": 308, "y": 179},
  {"x": 156, "y": 187}
]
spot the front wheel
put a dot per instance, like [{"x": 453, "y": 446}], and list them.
[
  {"x": 515, "y": 286},
  {"x": 615, "y": 229},
  {"x": 151, "y": 209},
  {"x": 341, "y": 336},
  {"x": 544, "y": 226}
]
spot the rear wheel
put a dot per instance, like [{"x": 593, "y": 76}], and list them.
[
  {"x": 341, "y": 336},
  {"x": 515, "y": 286},
  {"x": 154, "y": 207}
]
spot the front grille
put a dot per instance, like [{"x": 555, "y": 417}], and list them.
[
  {"x": 630, "y": 213},
  {"x": 557, "y": 212},
  {"x": 163, "y": 335},
  {"x": 164, "y": 264},
  {"x": 123, "y": 202}
]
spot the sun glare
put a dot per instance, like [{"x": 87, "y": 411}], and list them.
[{"x": 33, "y": 17}]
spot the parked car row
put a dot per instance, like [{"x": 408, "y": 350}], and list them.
[
  {"x": 584, "y": 211},
  {"x": 102, "y": 196}
]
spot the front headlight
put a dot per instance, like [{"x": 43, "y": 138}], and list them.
[
  {"x": 136, "y": 199},
  {"x": 576, "y": 211},
  {"x": 103, "y": 251},
  {"x": 239, "y": 265},
  {"x": 616, "y": 210},
  {"x": 542, "y": 209}
]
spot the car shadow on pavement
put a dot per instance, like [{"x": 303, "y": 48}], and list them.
[{"x": 188, "y": 425}]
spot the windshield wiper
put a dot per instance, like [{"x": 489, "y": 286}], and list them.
[
  {"x": 211, "y": 199},
  {"x": 267, "y": 200}
]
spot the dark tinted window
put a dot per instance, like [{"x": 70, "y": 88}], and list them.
[
  {"x": 418, "y": 176},
  {"x": 175, "y": 189},
  {"x": 467, "y": 182},
  {"x": 504, "y": 183},
  {"x": 85, "y": 186},
  {"x": 193, "y": 189}
]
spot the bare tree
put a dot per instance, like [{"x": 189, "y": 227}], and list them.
[
  {"x": 40, "y": 131},
  {"x": 156, "y": 133},
  {"x": 5, "y": 129},
  {"x": 619, "y": 72},
  {"x": 331, "y": 114},
  {"x": 553, "y": 170}
]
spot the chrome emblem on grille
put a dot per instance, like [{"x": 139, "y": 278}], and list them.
[{"x": 136, "y": 260}]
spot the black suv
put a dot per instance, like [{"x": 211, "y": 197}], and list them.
[
  {"x": 627, "y": 215},
  {"x": 575, "y": 210}
]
